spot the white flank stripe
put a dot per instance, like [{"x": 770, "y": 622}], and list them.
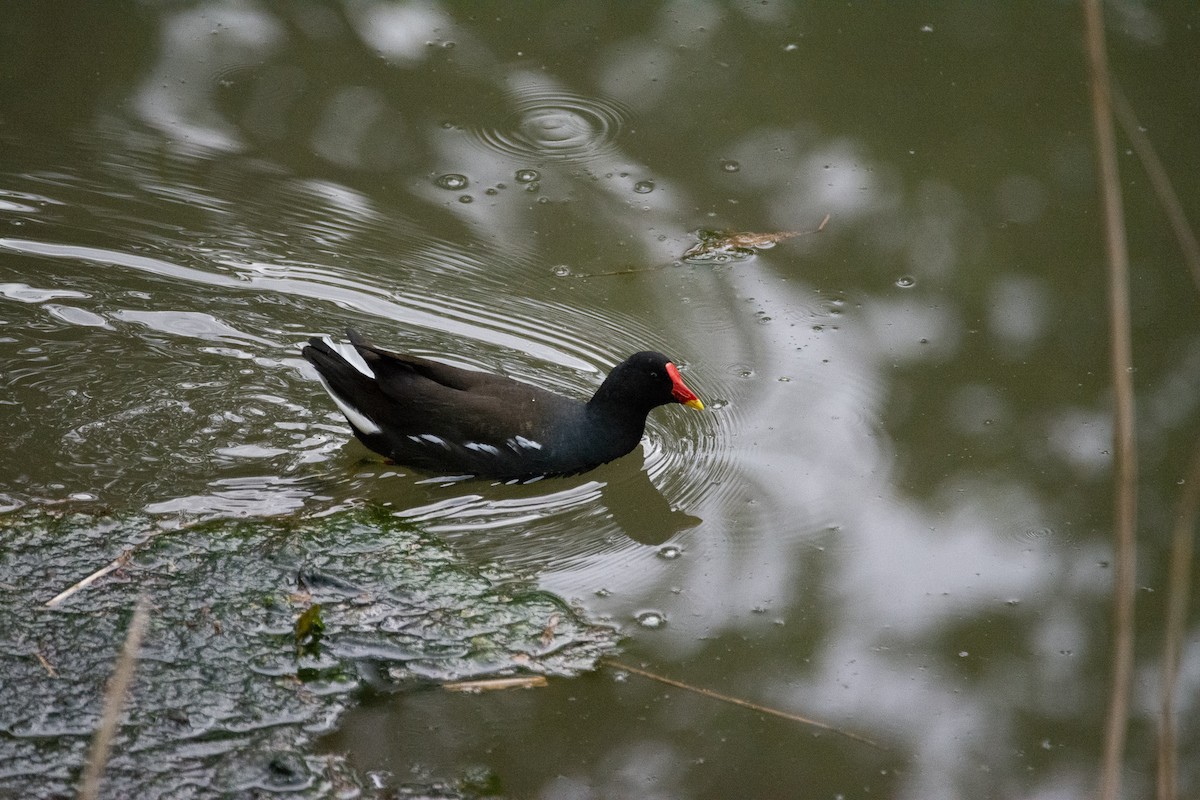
[
  {"x": 361, "y": 422},
  {"x": 529, "y": 444},
  {"x": 483, "y": 448},
  {"x": 429, "y": 438}
]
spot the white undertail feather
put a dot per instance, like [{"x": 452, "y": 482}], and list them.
[
  {"x": 361, "y": 422},
  {"x": 351, "y": 354}
]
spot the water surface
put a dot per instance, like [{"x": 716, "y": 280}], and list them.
[{"x": 895, "y": 515}]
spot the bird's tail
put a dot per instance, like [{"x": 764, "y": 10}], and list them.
[{"x": 347, "y": 378}]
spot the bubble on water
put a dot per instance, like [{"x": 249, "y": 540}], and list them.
[
  {"x": 906, "y": 281},
  {"x": 466, "y": 198},
  {"x": 561, "y": 271},
  {"x": 670, "y": 552},
  {"x": 527, "y": 175},
  {"x": 728, "y": 165},
  {"x": 644, "y": 187},
  {"x": 452, "y": 181},
  {"x": 651, "y": 619}
]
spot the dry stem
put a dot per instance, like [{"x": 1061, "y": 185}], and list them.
[
  {"x": 114, "y": 699},
  {"x": 1124, "y": 444},
  {"x": 1177, "y": 610}
]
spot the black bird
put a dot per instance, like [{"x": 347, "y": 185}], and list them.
[{"x": 452, "y": 421}]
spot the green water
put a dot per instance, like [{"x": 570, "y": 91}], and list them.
[{"x": 895, "y": 516}]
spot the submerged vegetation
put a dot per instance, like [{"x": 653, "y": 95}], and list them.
[{"x": 238, "y": 669}]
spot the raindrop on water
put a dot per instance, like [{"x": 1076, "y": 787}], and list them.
[
  {"x": 906, "y": 281},
  {"x": 730, "y": 166},
  {"x": 651, "y": 619},
  {"x": 452, "y": 181},
  {"x": 527, "y": 175},
  {"x": 669, "y": 552},
  {"x": 562, "y": 271},
  {"x": 466, "y": 198},
  {"x": 644, "y": 187}
]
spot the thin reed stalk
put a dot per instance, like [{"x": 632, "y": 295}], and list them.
[
  {"x": 1179, "y": 592},
  {"x": 114, "y": 700},
  {"x": 1124, "y": 436}
]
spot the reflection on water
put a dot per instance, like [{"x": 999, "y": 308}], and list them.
[{"x": 894, "y": 511}]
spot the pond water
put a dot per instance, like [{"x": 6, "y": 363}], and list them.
[{"x": 895, "y": 515}]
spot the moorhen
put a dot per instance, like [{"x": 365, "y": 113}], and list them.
[{"x": 452, "y": 421}]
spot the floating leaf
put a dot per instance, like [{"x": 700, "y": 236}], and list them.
[
  {"x": 727, "y": 246},
  {"x": 309, "y": 628}
]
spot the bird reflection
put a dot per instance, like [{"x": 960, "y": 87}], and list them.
[{"x": 641, "y": 511}]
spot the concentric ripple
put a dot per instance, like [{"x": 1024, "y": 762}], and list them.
[{"x": 545, "y": 122}]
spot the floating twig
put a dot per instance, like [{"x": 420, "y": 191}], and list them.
[
  {"x": 724, "y": 698},
  {"x": 117, "y": 563},
  {"x": 46, "y": 665},
  {"x": 120, "y": 561},
  {"x": 494, "y": 684}
]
